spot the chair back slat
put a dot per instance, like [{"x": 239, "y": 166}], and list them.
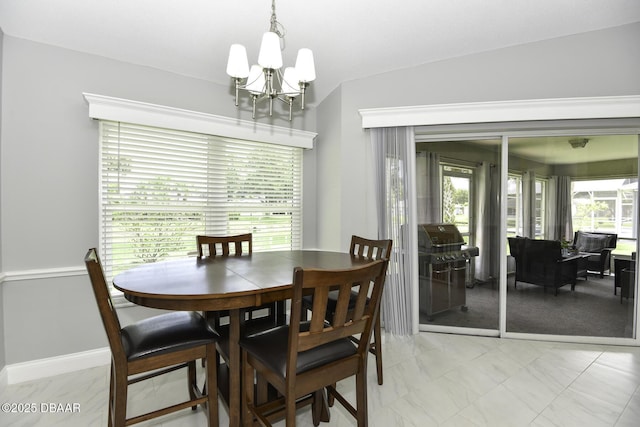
[
  {"x": 370, "y": 249},
  {"x": 361, "y": 302},
  {"x": 105, "y": 303},
  {"x": 342, "y": 305},
  {"x": 316, "y": 323},
  {"x": 346, "y": 322},
  {"x": 222, "y": 245}
]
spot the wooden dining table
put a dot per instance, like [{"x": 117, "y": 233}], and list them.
[{"x": 225, "y": 283}]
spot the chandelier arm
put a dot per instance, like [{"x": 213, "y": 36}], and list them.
[
  {"x": 303, "y": 90},
  {"x": 255, "y": 97},
  {"x": 287, "y": 100},
  {"x": 238, "y": 83}
]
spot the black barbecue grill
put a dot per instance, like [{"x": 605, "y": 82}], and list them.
[{"x": 445, "y": 268}]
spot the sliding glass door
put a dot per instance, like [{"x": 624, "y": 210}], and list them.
[
  {"x": 572, "y": 229},
  {"x": 549, "y": 226}
]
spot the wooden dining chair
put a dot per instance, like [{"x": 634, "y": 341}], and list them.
[
  {"x": 212, "y": 246},
  {"x": 369, "y": 249},
  {"x": 302, "y": 359},
  {"x": 222, "y": 245},
  {"x": 254, "y": 318},
  {"x": 153, "y": 347}
]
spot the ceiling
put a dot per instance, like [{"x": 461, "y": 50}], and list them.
[
  {"x": 350, "y": 39},
  {"x": 556, "y": 150}
]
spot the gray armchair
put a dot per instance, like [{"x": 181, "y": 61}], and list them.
[
  {"x": 540, "y": 262},
  {"x": 598, "y": 246}
]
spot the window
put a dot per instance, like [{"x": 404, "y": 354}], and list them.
[
  {"x": 606, "y": 205},
  {"x": 515, "y": 207},
  {"x": 161, "y": 187},
  {"x": 456, "y": 198},
  {"x": 540, "y": 208}
]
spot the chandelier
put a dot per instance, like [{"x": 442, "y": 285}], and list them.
[{"x": 265, "y": 81}]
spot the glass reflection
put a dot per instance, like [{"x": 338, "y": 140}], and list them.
[
  {"x": 458, "y": 192},
  {"x": 571, "y": 227},
  {"x": 571, "y": 220}
]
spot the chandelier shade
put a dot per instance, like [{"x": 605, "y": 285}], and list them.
[
  {"x": 305, "y": 66},
  {"x": 238, "y": 65},
  {"x": 270, "y": 55},
  {"x": 266, "y": 81}
]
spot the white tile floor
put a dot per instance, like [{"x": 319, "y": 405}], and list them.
[{"x": 430, "y": 380}]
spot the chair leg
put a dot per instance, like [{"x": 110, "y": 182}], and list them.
[
  {"x": 377, "y": 342},
  {"x": 330, "y": 398},
  {"x": 119, "y": 402},
  {"x": 192, "y": 381},
  {"x": 111, "y": 391},
  {"x": 212, "y": 386},
  {"x": 317, "y": 407},
  {"x": 290, "y": 410},
  {"x": 246, "y": 396},
  {"x": 262, "y": 390},
  {"x": 361, "y": 397}
]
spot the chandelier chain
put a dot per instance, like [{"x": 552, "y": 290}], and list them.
[{"x": 276, "y": 27}]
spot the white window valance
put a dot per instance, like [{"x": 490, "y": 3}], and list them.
[
  {"x": 503, "y": 111},
  {"x": 128, "y": 111}
]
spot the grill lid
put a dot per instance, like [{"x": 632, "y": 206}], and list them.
[{"x": 438, "y": 237}]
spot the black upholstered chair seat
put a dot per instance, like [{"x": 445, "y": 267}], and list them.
[
  {"x": 271, "y": 347},
  {"x": 166, "y": 333},
  {"x": 249, "y": 327}
]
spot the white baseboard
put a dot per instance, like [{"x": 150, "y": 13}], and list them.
[{"x": 42, "y": 368}]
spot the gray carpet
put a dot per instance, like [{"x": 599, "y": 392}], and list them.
[{"x": 591, "y": 310}]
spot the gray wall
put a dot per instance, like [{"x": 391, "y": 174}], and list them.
[
  {"x": 329, "y": 183},
  {"x": 49, "y": 168},
  {"x": 49, "y": 183},
  {"x": 599, "y": 63}
]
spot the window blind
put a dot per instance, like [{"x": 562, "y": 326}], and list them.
[{"x": 160, "y": 188}]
